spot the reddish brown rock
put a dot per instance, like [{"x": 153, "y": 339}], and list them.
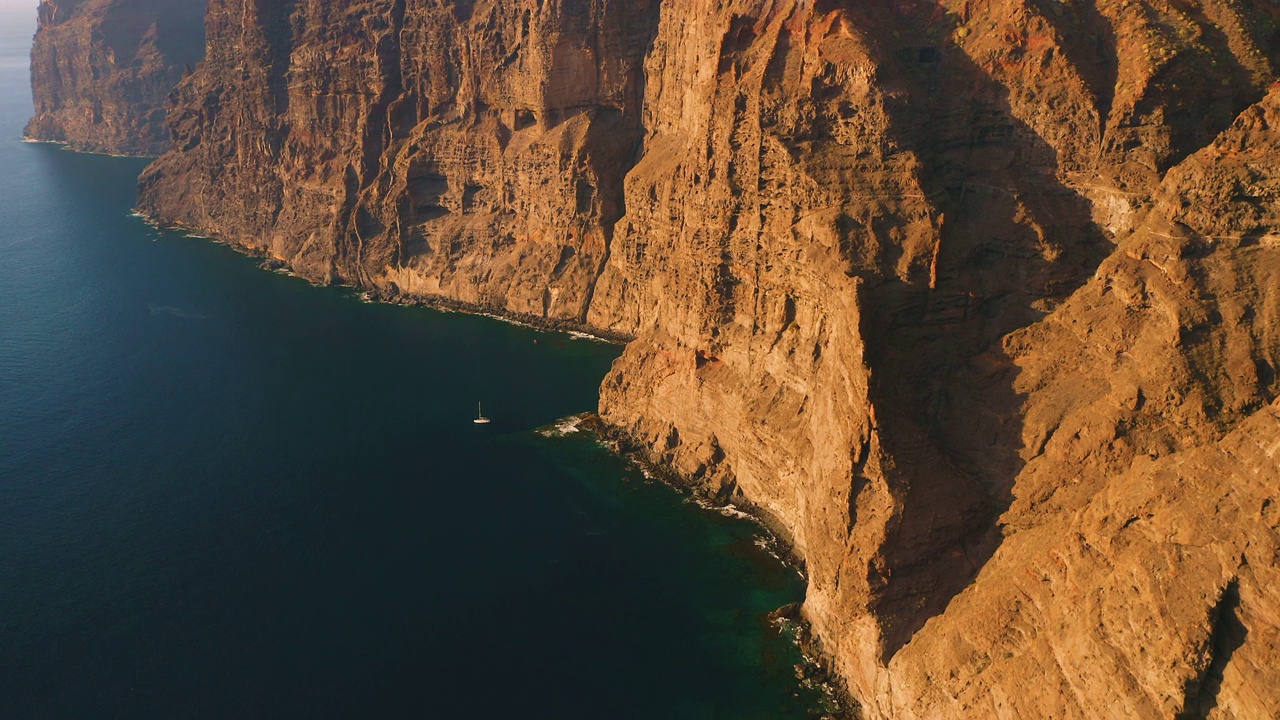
[{"x": 101, "y": 71}]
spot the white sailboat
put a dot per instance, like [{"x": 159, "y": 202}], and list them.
[{"x": 480, "y": 418}]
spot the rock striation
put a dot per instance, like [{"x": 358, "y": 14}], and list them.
[
  {"x": 977, "y": 300},
  {"x": 102, "y": 70}
]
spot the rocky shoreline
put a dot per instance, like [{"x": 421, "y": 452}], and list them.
[
  {"x": 392, "y": 296},
  {"x": 820, "y": 671},
  {"x": 71, "y": 147}
]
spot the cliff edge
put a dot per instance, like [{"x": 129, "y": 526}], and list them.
[{"x": 473, "y": 150}]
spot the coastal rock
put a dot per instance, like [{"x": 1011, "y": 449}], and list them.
[
  {"x": 975, "y": 300},
  {"x": 850, "y": 257},
  {"x": 102, "y": 70},
  {"x": 472, "y": 151}
]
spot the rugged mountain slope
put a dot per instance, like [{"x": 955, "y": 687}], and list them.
[
  {"x": 101, "y": 71},
  {"x": 977, "y": 300},
  {"x": 1138, "y": 570},
  {"x": 824, "y": 248}
]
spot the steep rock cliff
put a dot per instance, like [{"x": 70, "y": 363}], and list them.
[
  {"x": 469, "y": 150},
  {"x": 101, "y": 71},
  {"x": 1137, "y": 571},
  {"x": 825, "y": 243},
  {"x": 976, "y": 300}
]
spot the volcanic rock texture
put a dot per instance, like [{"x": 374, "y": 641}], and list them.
[
  {"x": 102, "y": 70},
  {"x": 978, "y": 301}
]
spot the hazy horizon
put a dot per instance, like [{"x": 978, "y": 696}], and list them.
[{"x": 17, "y": 17}]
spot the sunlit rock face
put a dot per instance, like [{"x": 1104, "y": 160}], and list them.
[
  {"x": 473, "y": 151},
  {"x": 102, "y": 70},
  {"x": 932, "y": 285}
]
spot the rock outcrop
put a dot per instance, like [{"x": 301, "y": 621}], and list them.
[
  {"x": 977, "y": 300},
  {"x": 102, "y": 70}
]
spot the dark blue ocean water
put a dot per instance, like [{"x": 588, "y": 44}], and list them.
[{"x": 226, "y": 493}]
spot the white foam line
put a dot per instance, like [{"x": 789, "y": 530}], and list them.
[
  {"x": 575, "y": 334},
  {"x": 579, "y": 335},
  {"x": 565, "y": 426},
  {"x": 733, "y": 512},
  {"x": 503, "y": 318},
  {"x": 64, "y": 146}
]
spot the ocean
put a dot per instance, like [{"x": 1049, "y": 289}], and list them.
[{"x": 226, "y": 493}]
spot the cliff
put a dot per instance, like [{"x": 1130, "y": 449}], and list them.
[
  {"x": 927, "y": 283},
  {"x": 102, "y": 70},
  {"x": 472, "y": 150},
  {"x": 976, "y": 300}
]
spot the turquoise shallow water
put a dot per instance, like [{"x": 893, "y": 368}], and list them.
[{"x": 226, "y": 493}]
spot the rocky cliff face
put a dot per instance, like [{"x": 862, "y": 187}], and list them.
[
  {"x": 864, "y": 262},
  {"x": 978, "y": 301},
  {"x": 101, "y": 71},
  {"x": 470, "y": 150}
]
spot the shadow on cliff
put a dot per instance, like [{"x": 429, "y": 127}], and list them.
[
  {"x": 1012, "y": 242},
  {"x": 1200, "y": 695}
]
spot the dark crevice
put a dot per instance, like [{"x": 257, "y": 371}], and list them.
[
  {"x": 944, "y": 392},
  {"x": 1228, "y": 634},
  {"x": 618, "y": 143},
  {"x": 1088, "y": 40},
  {"x": 276, "y": 21}
]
